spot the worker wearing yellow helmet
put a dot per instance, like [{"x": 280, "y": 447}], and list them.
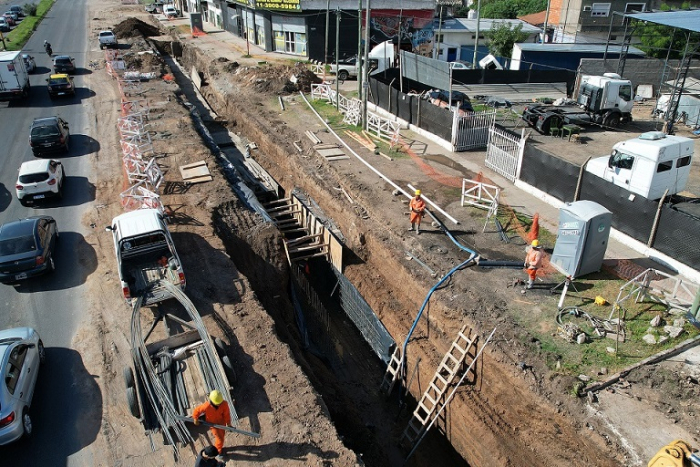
[
  {"x": 417, "y": 206},
  {"x": 216, "y": 411},
  {"x": 533, "y": 261}
]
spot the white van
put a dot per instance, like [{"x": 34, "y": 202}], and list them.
[{"x": 647, "y": 165}]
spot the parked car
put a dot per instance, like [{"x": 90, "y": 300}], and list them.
[
  {"x": 10, "y": 19},
  {"x": 4, "y": 25},
  {"x": 459, "y": 66},
  {"x": 107, "y": 38},
  {"x": 29, "y": 63},
  {"x": 18, "y": 9},
  {"x": 12, "y": 14},
  {"x": 170, "y": 11},
  {"x": 38, "y": 180},
  {"x": 21, "y": 355},
  {"x": 49, "y": 135},
  {"x": 26, "y": 248},
  {"x": 63, "y": 64},
  {"x": 60, "y": 85}
]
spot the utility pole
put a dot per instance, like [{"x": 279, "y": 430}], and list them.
[
  {"x": 436, "y": 49},
  {"x": 476, "y": 39},
  {"x": 359, "y": 48},
  {"x": 247, "y": 42},
  {"x": 546, "y": 20},
  {"x": 337, "y": 44},
  {"x": 325, "y": 51},
  {"x": 366, "y": 68}
]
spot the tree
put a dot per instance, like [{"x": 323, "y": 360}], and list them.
[
  {"x": 655, "y": 39},
  {"x": 502, "y": 37}
]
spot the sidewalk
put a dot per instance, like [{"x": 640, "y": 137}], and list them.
[{"x": 623, "y": 251}]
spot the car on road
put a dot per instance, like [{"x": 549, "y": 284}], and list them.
[
  {"x": 63, "y": 64},
  {"x": 4, "y": 25},
  {"x": 26, "y": 248},
  {"x": 17, "y": 9},
  {"x": 21, "y": 355},
  {"x": 38, "y": 180},
  {"x": 29, "y": 63},
  {"x": 11, "y": 14},
  {"x": 170, "y": 11},
  {"x": 60, "y": 84},
  {"x": 10, "y": 19},
  {"x": 49, "y": 134}
]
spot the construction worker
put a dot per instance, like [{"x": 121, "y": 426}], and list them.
[
  {"x": 207, "y": 458},
  {"x": 417, "y": 206},
  {"x": 215, "y": 411},
  {"x": 533, "y": 261}
]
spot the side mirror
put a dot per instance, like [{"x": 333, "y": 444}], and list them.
[
  {"x": 109, "y": 228},
  {"x": 610, "y": 161}
]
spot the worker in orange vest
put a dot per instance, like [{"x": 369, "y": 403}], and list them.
[
  {"x": 417, "y": 206},
  {"x": 215, "y": 411},
  {"x": 533, "y": 261}
]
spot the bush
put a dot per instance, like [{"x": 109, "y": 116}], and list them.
[{"x": 30, "y": 9}]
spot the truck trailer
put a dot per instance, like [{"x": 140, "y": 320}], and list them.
[
  {"x": 602, "y": 100},
  {"x": 14, "y": 78}
]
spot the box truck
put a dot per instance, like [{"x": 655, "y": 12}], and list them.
[
  {"x": 647, "y": 165},
  {"x": 14, "y": 79}
]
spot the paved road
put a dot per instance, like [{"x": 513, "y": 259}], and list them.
[{"x": 67, "y": 403}]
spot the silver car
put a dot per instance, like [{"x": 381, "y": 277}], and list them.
[{"x": 21, "y": 353}]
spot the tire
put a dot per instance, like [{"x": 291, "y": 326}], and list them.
[
  {"x": 343, "y": 75},
  {"x": 132, "y": 402},
  {"x": 23, "y": 202},
  {"x": 42, "y": 352},
  {"x": 52, "y": 266},
  {"x": 228, "y": 369},
  {"x": 129, "y": 377},
  {"x": 102, "y": 46},
  {"x": 27, "y": 426}
]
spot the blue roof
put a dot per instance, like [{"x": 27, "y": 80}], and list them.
[
  {"x": 577, "y": 47},
  {"x": 485, "y": 24},
  {"x": 681, "y": 19}
]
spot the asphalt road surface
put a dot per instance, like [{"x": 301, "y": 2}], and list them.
[{"x": 67, "y": 403}]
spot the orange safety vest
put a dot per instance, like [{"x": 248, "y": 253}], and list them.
[
  {"x": 217, "y": 415},
  {"x": 534, "y": 258}
]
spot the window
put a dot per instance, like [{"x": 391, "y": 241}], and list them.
[
  {"x": 683, "y": 161},
  {"x": 626, "y": 92},
  {"x": 632, "y": 7},
  {"x": 621, "y": 160},
  {"x": 14, "y": 367},
  {"x": 600, "y": 9},
  {"x": 664, "y": 166}
]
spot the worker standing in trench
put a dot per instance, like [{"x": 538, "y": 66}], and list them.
[
  {"x": 417, "y": 206},
  {"x": 215, "y": 411},
  {"x": 533, "y": 261}
]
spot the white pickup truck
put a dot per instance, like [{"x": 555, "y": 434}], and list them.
[
  {"x": 145, "y": 255},
  {"x": 107, "y": 39}
]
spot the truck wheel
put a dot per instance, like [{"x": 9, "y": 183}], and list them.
[
  {"x": 133, "y": 403},
  {"x": 343, "y": 75},
  {"x": 228, "y": 369},
  {"x": 129, "y": 377},
  {"x": 612, "y": 121}
]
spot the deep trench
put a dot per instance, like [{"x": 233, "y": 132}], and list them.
[{"x": 339, "y": 363}]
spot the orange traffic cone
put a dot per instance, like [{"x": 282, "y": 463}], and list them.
[{"x": 535, "y": 228}]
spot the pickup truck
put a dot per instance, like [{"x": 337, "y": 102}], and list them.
[
  {"x": 145, "y": 255},
  {"x": 107, "y": 39}
]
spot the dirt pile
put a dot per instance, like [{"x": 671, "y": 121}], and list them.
[{"x": 133, "y": 27}]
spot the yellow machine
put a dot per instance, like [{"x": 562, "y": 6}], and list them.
[{"x": 676, "y": 454}]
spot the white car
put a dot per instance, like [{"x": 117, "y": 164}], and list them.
[
  {"x": 39, "y": 179},
  {"x": 170, "y": 11},
  {"x": 21, "y": 355},
  {"x": 459, "y": 66}
]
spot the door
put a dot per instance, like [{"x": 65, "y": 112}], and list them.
[{"x": 21, "y": 374}]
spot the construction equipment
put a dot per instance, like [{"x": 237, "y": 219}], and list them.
[{"x": 676, "y": 454}]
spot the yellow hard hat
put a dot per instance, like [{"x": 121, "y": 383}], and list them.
[
  {"x": 215, "y": 397},
  {"x": 417, "y": 193},
  {"x": 535, "y": 243}
]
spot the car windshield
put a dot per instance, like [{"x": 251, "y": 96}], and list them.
[
  {"x": 34, "y": 178},
  {"x": 15, "y": 246},
  {"x": 63, "y": 61},
  {"x": 40, "y": 131},
  {"x": 58, "y": 81}
]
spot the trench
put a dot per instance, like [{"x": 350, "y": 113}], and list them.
[{"x": 325, "y": 342}]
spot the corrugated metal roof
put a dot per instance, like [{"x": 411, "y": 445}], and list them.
[
  {"x": 682, "y": 19},
  {"x": 469, "y": 25},
  {"x": 576, "y": 47}
]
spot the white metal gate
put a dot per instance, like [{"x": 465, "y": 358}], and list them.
[
  {"x": 504, "y": 152},
  {"x": 472, "y": 131}
]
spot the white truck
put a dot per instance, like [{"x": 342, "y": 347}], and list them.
[
  {"x": 14, "y": 78},
  {"x": 603, "y": 100},
  {"x": 145, "y": 255},
  {"x": 380, "y": 58},
  {"x": 647, "y": 165},
  {"x": 107, "y": 38}
]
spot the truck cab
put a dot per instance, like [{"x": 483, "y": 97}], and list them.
[
  {"x": 145, "y": 255},
  {"x": 647, "y": 165},
  {"x": 608, "y": 96}
]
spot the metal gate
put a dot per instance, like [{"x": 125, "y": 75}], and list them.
[
  {"x": 471, "y": 131},
  {"x": 504, "y": 152}
]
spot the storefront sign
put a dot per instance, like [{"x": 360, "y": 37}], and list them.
[{"x": 286, "y": 5}]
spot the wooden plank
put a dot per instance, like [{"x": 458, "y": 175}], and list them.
[
  {"x": 331, "y": 152},
  {"x": 178, "y": 340},
  {"x": 308, "y": 248},
  {"x": 195, "y": 172},
  {"x": 206, "y": 178}
]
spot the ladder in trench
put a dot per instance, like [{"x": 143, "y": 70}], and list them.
[
  {"x": 433, "y": 398},
  {"x": 393, "y": 372},
  {"x": 299, "y": 243}
]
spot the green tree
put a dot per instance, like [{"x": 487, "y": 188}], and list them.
[
  {"x": 655, "y": 39},
  {"x": 510, "y": 9},
  {"x": 462, "y": 12},
  {"x": 502, "y": 37}
]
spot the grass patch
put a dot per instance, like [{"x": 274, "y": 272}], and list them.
[{"x": 18, "y": 37}]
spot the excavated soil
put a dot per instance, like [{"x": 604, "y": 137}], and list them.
[{"x": 324, "y": 408}]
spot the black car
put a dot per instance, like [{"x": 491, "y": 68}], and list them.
[
  {"x": 63, "y": 64},
  {"x": 49, "y": 135},
  {"x": 26, "y": 248},
  {"x": 60, "y": 85}
]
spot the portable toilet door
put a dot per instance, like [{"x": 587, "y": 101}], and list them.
[{"x": 582, "y": 238}]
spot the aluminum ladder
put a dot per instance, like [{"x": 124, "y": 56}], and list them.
[{"x": 446, "y": 373}]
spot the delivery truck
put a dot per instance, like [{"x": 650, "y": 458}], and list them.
[
  {"x": 14, "y": 78},
  {"x": 647, "y": 165}
]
